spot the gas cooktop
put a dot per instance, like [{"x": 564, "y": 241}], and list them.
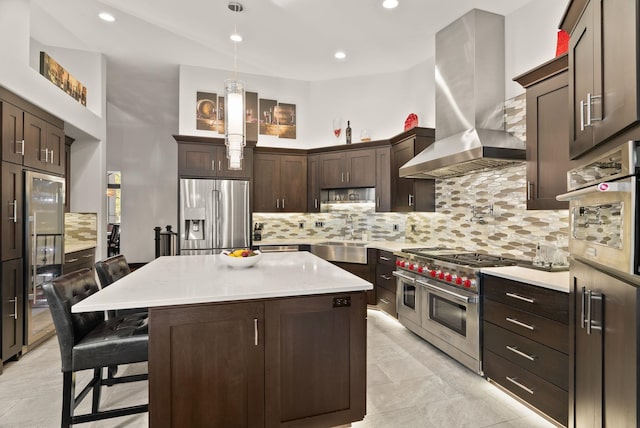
[{"x": 471, "y": 259}]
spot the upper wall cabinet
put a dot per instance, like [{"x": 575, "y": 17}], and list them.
[
  {"x": 603, "y": 70},
  {"x": 350, "y": 168},
  {"x": 280, "y": 182},
  {"x": 206, "y": 158},
  {"x": 30, "y": 136},
  {"x": 547, "y": 133}
]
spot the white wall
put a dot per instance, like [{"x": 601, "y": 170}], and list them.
[{"x": 531, "y": 35}]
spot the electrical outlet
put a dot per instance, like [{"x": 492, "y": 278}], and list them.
[
  {"x": 396, "y": 227},
  {"x": 301, "y": 225},
  {"x": 319, "y": 223}
]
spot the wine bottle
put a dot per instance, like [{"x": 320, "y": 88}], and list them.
[{"x": 347, "y": 132}]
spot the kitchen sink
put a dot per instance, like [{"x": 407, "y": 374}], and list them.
[{"x": 341, "y": 251}]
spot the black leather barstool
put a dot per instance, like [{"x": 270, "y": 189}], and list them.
[
  {"x": 88, "y": 341},
  {"x": 109, "y": 271}
]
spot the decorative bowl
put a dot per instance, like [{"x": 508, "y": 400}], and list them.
[{"x": 240, "y": 262}]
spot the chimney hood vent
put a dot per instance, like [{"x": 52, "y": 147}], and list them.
[{"x": 470, "y": 82}]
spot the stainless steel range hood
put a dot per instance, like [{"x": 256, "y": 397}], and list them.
[{"x": 470, "y": 82}]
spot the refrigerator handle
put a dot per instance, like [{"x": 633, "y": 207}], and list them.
[
  {"x": 34, "y": 260},
  {"x": 216, "y": 215}
]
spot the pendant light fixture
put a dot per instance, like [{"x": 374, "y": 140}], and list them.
[{"x": 234, "y": 124}]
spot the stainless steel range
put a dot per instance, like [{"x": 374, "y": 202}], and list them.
[{"x": 438, "y": 298}]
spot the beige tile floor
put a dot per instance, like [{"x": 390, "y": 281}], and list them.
[{"x": 410, "y": 384}]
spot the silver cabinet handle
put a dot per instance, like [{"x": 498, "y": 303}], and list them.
[
  {"x": 213, "y": 165},
  {"x": 15, "y": 211},
  {"x": 519, "y": 297},
  {"x": 410, "y": 200},
  {"x": 46, "y": 155},
  {"x": 386, "y": 277},
  {"x": 15, "y": 308},
  {"x": 582, "y": 311},
  {"x": 515, "y": 350},
  {"x": 590, "y": 118},
  {"x": 51, "y": 156},
  {"x": 519, "y": 385},
  {"x": 520, "y": 323},
  {"x": 255, "y": 331},
  {"x": 34, "y": 257},
  {"x": 282, "y": 203},
  {"x": 277, "y": 203},
  {"x": 581, "y": 115},
  {"x": 386, "y": 259},
  {"x": 591, "y": 296},
  {"x": 529, "y": 190},
  {"x": 385, "y": 301},
  {"x": 378, "y": 201},
  {"x": 70, "y": 260},
  {"x": 21, "y": 152},
  {"x": 342, "y": 177},
  {"x": 219, "y": 165},
  {"x": 348, "y": 177},
  {"x": 315, "y": 203},
  {"x": 588, "y": 121}
]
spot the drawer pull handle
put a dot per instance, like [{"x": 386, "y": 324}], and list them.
[
  {"x": 385, "y": 301},
  {"x": 519, "y": 297},
  {"x": 521, "y": 324},
  {"x": 386, "y": 259},
  {"x": 519, "y": 385},
  {"x": 385, "y": 277},
  {"x": 88, "y": 256},
  {"x": 515, "y": 350},
  {"x": 70, "y": 260}
]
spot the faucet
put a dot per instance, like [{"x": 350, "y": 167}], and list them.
[{"x": 349, "y": 223}]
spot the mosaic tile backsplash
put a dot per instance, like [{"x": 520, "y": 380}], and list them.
[
  {"x": 484, "y": 212},
  {"x": 80, "y": 228}
]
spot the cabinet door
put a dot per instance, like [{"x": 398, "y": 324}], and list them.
[
  {"x": 293, "y": 183},
  {"x": 313, "y": 185},
  {"x": 616, "y": 50},
  {"x": 547, "y": 143},
  {"x": 223, "y": 164},
  {"x": 12, "y": 136},
  {"x": 361, "y": 168},
  {"x": 332, "y": 170},
  {"x": 316, "y": 355},
  {"x": 35, "y": 142},
  {"x": 206, "y": 366},
  {"x": 12, "y": 212},
  {"x": 55, "y": 146},
  {"x": 581, "y": 66},
  {"x": 197, "y": 160},
  {"x": 266, "y": 183},
  {"x": 402, "y": 190},
  {"x": 12, "y": 308},
  {"x": 383, "y": 179}
]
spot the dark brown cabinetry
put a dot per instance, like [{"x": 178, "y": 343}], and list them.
[
  {"x": 526, "y": 343},
  {"x": 604, "y": 350},
  {"x": 349, "y": 168},
  {"x": 43, "y": 145},
  {"x": 313, "y": 184},
  {"x": 282, "y": 362},
  {"x": 383, "y": 179},
  {"x": 12, "y": 136},
  {"x": 68, "y": 141},
  {"x": 206, "y": 157},
  {"x": 547, "y": 133},
  {"x": 603, "y": 65},
  {"x": 408, "y": 194},
  {"x": 12, "y": 230},
  {"x": 77, "y": 260},
  {"x": 280, "y": 182},
  {"x": 12, "y": 310},
  {"x": 385, "y": 282}
]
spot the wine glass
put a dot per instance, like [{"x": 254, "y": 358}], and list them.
[{"x": 337, "y": 127}]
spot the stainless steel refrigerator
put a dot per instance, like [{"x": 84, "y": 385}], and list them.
[
  {"x": 214, "y": 215},
  {"x": 44, "y": 249}
]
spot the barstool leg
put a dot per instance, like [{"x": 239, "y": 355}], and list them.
[
  {"x": 97, "y": 378},
  {"x": 68, "y": 391}
]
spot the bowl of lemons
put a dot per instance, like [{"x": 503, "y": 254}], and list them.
[{"x": 241, "y": 257}]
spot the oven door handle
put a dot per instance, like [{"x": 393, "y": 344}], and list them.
[
  {"x": 456, "y": 296},
  {"x": 614, "y": 186},
  {"x": 402, "y": 276}
]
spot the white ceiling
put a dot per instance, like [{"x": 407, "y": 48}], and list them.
[{"x": 293, "y": 39}]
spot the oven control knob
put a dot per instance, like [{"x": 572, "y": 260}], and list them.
[
  {"x": 448, "y": 277},
  {"x": 433, "y": 273},
  {"x": 403, "y": 263},
  {"x": 468, "y": 283},
  {"x": 458, "y": 280},
  {"x": 441, "y": 275},
  {"x": 398, "y": 262},
  {"x": 420, "y": 269},
  {"x": 411, "y": 266}
]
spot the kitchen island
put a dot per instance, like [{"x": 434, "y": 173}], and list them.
[{"x": 282, "y": 343}]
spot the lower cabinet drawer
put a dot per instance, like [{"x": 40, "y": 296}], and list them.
[
  {"x": 540, "y": 360},
  {"x": 387, "y": 301},
  {"x": 78, "y": 260},
  {"x": 541, "y": 394},
  {"x": 542, "y": 330},
  {"x": 385, "y": 278}
]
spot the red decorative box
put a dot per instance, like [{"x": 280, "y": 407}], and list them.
[
  {"x": 411, "y": 121},
  {"x": 563, "y": 42}
]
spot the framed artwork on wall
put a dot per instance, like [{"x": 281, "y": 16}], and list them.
[
  {"x": 60, "y": 77},
  {"x": 207, "y": 111},
  {"x": 251, "y": 103},
  {"x": 268, "y": 121},
  {"x": 286, "y": 117}
]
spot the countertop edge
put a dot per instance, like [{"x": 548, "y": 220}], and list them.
[{"x": 558, "y": 281}]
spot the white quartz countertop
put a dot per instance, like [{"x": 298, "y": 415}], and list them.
[
  {"x": 183, "y": 280},
  {"x": 558, "y": 281},
  {"x": 80, "y": 246}
]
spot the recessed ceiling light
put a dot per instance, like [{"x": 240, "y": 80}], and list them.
[
  {"x": 340, "y": 55},
  {"x": 236, "y": 37},
  {"x": 390, "y": 4},
  {"x": 106, "y": 17}
]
